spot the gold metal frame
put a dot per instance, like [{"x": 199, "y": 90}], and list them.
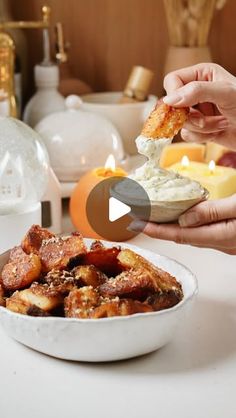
[{"x": 7, "y": 52}]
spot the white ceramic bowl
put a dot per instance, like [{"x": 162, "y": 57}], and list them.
[
  {"x": 106, "y": 339},
  {"x": 128, "y": 118}
]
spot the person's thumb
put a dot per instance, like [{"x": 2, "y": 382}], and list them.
[
  {"x": 221, "y": 93},
  {"x": 209, "y": 212}
]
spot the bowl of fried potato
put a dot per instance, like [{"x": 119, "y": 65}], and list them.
[{"x": 78, "y": 299}]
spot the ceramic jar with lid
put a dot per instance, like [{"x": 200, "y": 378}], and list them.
[
  {"x": 78, "y": 140},
  {"x": 128, "y": 118}
]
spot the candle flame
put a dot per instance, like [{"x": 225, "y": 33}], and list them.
[
  {"x": 110, "y": 162},
  {"x": 212, "y": 166},
  {"x": 185, "y": 161}
]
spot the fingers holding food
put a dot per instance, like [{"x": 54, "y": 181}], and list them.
[
  {"x": 32, "y": 241},
  {"x": 58, "y": 252},
  {"x": 164, "y": 121},
  {"x": 21, "y": 270}
]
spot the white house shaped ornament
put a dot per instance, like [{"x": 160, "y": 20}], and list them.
[{"x": 12, "y": 183}]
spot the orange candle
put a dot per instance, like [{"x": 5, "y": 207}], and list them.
[{"x": 81, "y": 193}]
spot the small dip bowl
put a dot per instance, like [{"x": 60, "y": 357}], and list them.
[{"x": 160, "y": 211}]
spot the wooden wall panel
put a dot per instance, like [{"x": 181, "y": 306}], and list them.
[{"x": 108, "y": 37}]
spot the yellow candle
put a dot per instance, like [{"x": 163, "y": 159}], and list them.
[
  {"x": 219, "y": 181},
  {"x": 174, "y": 152}
]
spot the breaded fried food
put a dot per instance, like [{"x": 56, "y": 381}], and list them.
[
  {"x": 104, "y": 259},
  {"x": 61, "y": 280},
  {"x": 57, "y": 252},
  {"x": 164, "y": 281},
  {"x": 87, "y": 303},
  {"x": 96, "y": 245},
  {"x": 32, "y": 241},
  {"x": 134, "y": 284},
  {"x": 2, "y": 299},
  {"x": 37, "y": 297},
  {"x": 165, "y": 300},
  {"x": 164, "y": 121},
  {"x": 80, "y": 302},
  {"x": 21, "y": 270},
  {"x": 15, "y": 304},
  {"x": 120, "y": 308},
  {"x": 88, "y": 276}
]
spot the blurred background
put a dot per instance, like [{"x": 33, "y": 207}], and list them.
[{"x": 108, "y": 37}]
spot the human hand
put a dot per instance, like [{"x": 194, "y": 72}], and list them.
[
  {"x": 210, "y": 91},
  {"x": 210, "y": 224}
]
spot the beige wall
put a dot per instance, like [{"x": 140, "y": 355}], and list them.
[{"x": 107, "y": 37}]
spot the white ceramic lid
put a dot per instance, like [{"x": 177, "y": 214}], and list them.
[{"x": 78, "y": 141}]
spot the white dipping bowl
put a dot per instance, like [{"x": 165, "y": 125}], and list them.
[
  {"x": 106, "y": 339},
  {"x": 128, "y": 118}
]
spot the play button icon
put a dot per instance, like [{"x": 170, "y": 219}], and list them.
[
  {"x": 117, "y": 209},
  {"x": 113, "y": 204}
]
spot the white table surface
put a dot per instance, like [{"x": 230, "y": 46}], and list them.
[{"x": 192, "y": 377}]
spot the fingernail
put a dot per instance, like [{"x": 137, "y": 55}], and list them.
[
  {"x": 172, "y": 99},
  {"x": 199, "y": 122},
  {"x": 223, "y": 124},
  {"x": 189, "y": 219},
  {"x": 136, "y": 226}
]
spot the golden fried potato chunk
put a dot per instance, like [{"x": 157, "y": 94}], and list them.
[
  {"x": 32, "y": 241},
  {"x": 21, "y": 270},
  {"x": 57, "y": 252},
  {"x": 164, "y": 121},
  {"x": 164, "y": 281},
  {"x": 80, "y": 302},
  {"x": 37, "y": 297},
  {"x": 42, "y": 296},
  {"x": 61, "y": 280},
  {"x": 135, "y": 284},
  {"x": 104, "y": 259},
  {"x": 15, "y": 304},
  {"x": 118, "y": 307},
  {"x": 2, "y": 299},
  {"x": 88, "y": 276}
]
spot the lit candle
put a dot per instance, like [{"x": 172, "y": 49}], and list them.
[
  {"x": 212, "y": 166},
  {"x": 219, "y": 181},
  {"x": 82, "y": 190},
  {"x": 185, "y": 162}
]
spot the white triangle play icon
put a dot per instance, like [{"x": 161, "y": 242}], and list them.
[{"x": 117, "y": 209}]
